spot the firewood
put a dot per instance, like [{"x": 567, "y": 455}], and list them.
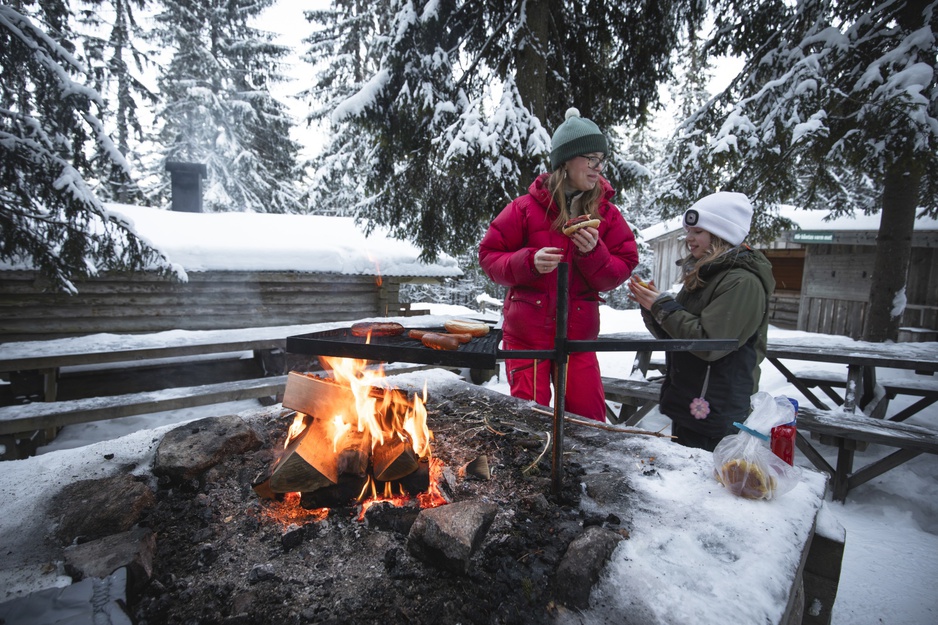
[
  {"x": 303, "y": 466},
  {"x": 394, "y": 459}
]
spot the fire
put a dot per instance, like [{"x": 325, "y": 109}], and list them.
[
  {"x": 374, "y": 431},
  {"x": 290, "y": 511},
  {"x": 378, "y": 280},
  {"x": 433, "y": 498},
  {"x": 296, "y": 428},
  {"x": 386, "y": 416}
]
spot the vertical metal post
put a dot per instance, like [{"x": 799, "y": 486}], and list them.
[{"x": 560, "y": 376}]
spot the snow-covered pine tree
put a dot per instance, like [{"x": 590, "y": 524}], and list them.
[
  {"x": 217, "y": 106},
  {"x": 454, "y": 117},
  {"x": 112, "y": 41},
  {"x": 49, "y": 217},
  {"x": 836, "y": 109}
]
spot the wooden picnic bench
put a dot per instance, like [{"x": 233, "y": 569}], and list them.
[
  {"x": 926, "y": 389},
  {"x": 26, "y": 426},
  {"x": 845, "y": 431},
  {"x": 636, "y": 397},
  {"x": 862, "y": 398},
  {"x": 21, "y": 425}
]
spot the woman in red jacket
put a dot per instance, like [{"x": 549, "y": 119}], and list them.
[{"x": 525, "y": 243}]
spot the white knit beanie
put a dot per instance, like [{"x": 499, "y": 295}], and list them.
[{"x": 724, "y": 213}]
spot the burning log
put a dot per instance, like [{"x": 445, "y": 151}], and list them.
[
  {"x": 319, "y": 396},
  {"x": 394, "y": 460},
  {"x": 339, "y": 433}
]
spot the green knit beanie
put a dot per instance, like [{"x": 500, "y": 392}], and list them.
[{"x": 574, "y": 137}]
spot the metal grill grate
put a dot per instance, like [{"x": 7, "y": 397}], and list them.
[{"x": 479, "y": 353}]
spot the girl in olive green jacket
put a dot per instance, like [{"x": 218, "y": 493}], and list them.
[{"x": 725, "y": 294}]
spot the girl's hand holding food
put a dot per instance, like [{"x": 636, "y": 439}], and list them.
[{"x": 645, "y": 293}]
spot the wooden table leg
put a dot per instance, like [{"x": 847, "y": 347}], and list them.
[
  {"x": 50, "y": 384},
  {"x": 798, "y": 384},
  {"x": 844, "y": 468}
]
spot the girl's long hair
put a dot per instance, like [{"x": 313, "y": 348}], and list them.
[
  {"x": 589, "y": 200},
  {"x": 692, "y": 266}
]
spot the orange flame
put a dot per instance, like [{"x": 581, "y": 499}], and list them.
[
  {"x": 381, "y": 417},
  {"x": 289, "y": 511},
  {"x": 384, "y": 415},
  {"x": 378, "y": 279},
  {"x": 433, "y": 497},
  {"x": 296, "y": 428}
]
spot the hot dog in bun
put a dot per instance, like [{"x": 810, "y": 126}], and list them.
[{"x": 583, "y": 221}]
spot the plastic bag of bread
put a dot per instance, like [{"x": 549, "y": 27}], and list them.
[{"x": 745, "y": 464}]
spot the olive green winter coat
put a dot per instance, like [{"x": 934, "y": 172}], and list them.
[{"x": 731, "y": 304}]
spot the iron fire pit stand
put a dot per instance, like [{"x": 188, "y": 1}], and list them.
[{"x": 484, "y": 353}]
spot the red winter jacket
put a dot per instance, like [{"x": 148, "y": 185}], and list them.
[{"x": 506, "y": 254}]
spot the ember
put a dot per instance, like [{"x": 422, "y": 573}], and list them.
[{"x": 353, "y": 438}]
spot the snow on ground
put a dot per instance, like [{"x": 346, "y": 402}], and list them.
[{"x": 889, "y": 569}]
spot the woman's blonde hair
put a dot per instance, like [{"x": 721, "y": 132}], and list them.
[
  {"x": 692, "y": 266},
  {"x": 589, "y": 200}
]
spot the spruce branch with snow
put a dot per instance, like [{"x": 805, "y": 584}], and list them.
[
  {"x": 836, "y": 109},
  {"x": 113, "y": 42},
  {"x": 441, "y": 112},
  {"x": 49, "y": 217}
]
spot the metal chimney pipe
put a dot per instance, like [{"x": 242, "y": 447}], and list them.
[{"x": 186, "y": 179}]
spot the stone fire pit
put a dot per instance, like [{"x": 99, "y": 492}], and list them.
[{"x": 200, "y": 546}]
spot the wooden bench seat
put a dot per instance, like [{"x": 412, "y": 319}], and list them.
[
  {"x": 925, "y": 387},
  {"x": 846, "y": 430},
  {"x": 19, "y": 424},
  {"x": 636, "y": 396},
  {"x": 904, "y": 386}
]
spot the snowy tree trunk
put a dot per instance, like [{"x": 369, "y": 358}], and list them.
[
  {"x": 532, "y": 59},
  {"x": 893, "y": 253},
  {"x": 532, "y": 73}
]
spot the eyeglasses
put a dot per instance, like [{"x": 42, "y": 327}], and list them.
[{"x": 594, "y": 162}]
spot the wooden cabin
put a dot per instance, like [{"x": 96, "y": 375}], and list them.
[
  {"x": 241, "y": 270},
  {"x": 823, "y": 272}
]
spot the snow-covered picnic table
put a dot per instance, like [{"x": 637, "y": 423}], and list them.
[
  {"x": 856, "y": 411},
  {"x": 696, "y": 553},
  {"x": 862, "y": 359}
]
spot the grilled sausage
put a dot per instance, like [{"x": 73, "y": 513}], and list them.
[
  {"x": 434, "y": 340},
  {"x": 418, "y": 335},
  {"x": 377, "y": 328}
]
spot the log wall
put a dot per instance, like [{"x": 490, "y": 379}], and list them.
[
  {"x": 836, "y": 289},
  {"x": 214, "y": 300},
  {"x": 783, "y": 309}
]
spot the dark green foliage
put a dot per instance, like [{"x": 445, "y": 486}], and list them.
[
  {"x": 836, "y": 100},
  {"x": 49, "y": 218},
  {"x": 438, "y": 119}
]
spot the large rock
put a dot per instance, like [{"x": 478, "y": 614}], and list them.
[
  {"x": 581, "y": 565},
  {"x": 186, "y": 452},
  {"x": 91, "y": 509},
  {"x": 447, "y": 536}
]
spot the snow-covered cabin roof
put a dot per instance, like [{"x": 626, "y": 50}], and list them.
[
  {"x": 278, "y": 242},
  {"x": 807, "y": 220}
]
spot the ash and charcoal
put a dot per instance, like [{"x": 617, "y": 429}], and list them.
[{"x": 224, "y": 555}]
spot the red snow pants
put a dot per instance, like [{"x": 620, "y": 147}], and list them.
[{"x": 585, "y": 395}]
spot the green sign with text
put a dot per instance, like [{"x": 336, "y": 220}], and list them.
[{"x": 812, "y": 237}]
